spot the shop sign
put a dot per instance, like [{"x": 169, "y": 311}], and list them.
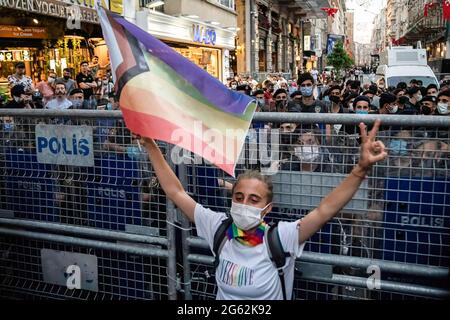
[
  {"x": 23, "y": 32},
  {"x": 81, "y": 9},
  {"x": 204, "y": 35},
  {"x": 307, "y": 43}
]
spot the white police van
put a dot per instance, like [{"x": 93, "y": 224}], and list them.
[{"x": 402, "y": 64}]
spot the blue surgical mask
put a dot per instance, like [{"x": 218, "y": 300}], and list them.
[
  {"x": 306, "y": 91},
  {"x": 135, "y": 154},
  {"x": 8, "y": 127},
  {"x": 362, "y": 112},
  {"x": 399, "y": 147},
  {"x": 109, "y": 106},
  {"x": 261, "y": 102}
]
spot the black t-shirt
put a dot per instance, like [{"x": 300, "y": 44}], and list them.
[
  {"x": 322, "y": 107},
  {"x": 12, "y": 104},
  {"x": 86, "y": 79}
]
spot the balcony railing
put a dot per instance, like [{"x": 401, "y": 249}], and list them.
[{"x": 146, "y": 3}]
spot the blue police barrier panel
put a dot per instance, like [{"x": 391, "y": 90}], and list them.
[
  {"x": 30, "y": 188},
  {"x": 416, "y": 221},
  {"x": 114, "y": 198},
  {"x": 204, "y": 185},
  {"x": 103, "y": 129}
]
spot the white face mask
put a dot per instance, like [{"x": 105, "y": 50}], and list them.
[
  {"x": 233, "y": 86},
  {"x": 246, "y": 217},
  {"x": 393, "y": 109},
  {"x": 443, "y": 108},
  {"x": 308, "y": 153},
  {"x": 419, "y": 97}
]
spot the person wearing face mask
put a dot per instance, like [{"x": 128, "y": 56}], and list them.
[
  {"x": 443, "y": 105},
  {"x": 294, "y": 103},
  {"x": 281, "y": 102},
  {"x": 67, "y": 80},
  {"x": 388, "y": 104},
  {"x": 20, "y": 99},
  {"x": 60, "y": 102},
  {"x": 46, "y": 88},
  {"x": 415, "y": 96},
  {"x": 308, "y": 103},
  {"x": 307, "y": 154},
  {"x": 244, "y": 269},
  {"x": 77, "y": 98},
  {"x": 233, "y": 85},
  {"x": 260, "y": 101},
  {"x": 428, "y": 105},
  {"x": 361, "y": 106},
  {"x": 404, "y": 106}
]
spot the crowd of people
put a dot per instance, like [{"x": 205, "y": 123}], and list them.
[
  {"x": 333, "y": 148},
  {"x": 321, "y": 147},
  {"x": 91, "y": 88}
]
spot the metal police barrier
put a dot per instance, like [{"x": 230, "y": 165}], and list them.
[
  {"x": 390, "y": 242},
  {"x": 78, "y": 198},
  {"x": 113, "y": 221}
]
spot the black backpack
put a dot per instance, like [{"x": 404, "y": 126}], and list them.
[{"x": 274, "y": 248}]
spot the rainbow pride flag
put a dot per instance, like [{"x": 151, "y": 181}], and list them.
[{"x": 165, "y": 96}]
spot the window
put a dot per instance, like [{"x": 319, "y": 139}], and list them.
[{"x": 227, "y": 3}]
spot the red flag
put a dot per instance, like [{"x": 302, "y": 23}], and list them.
[
  {"x": 428, "y": 6},
  {"x": 446, "y": 10},
  {"x": 330, "y": 11},
  {"x": 425, "y": 9}
]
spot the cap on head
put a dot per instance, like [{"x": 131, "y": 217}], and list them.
[{"x": 20, "y": 64}]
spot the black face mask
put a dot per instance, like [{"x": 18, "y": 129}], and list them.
[
  {"x": 281, "y": 104},
  {"x": 286, "y": 138},
  {"x": 426, "y": 110},
  {"x": 66, "y": 77},
  {"x": 403, "y": 100},
  {"x": 335, "y": 99}
]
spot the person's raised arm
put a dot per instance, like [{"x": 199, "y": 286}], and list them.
[
  {"x": 371, "y": 152},
  {"x": 168, "y": 180}
]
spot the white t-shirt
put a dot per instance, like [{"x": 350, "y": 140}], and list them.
[
  {"x": 56, "y": 104},
  {"x": 246, "y": 272}
]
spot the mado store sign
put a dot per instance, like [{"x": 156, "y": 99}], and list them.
[
  {"x": 66, "y": 145},
  {"x": 204, "y": 35}
]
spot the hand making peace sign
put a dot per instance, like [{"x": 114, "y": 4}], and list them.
[{"x": 371, "y": 150}]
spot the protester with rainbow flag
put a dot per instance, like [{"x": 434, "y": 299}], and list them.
[{"x": 164, "y": 96}]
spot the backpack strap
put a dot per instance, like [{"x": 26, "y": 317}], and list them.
[
  {"x": 220, "y": 239},
  {"x": 277, "y": 254}
]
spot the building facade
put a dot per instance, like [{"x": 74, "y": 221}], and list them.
[
  {"x": 349, "y": 34},
  {"x": 49, "y": 35},
  {"x": 277, "y": 36},
  {"x": 202, "y": 31}
]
